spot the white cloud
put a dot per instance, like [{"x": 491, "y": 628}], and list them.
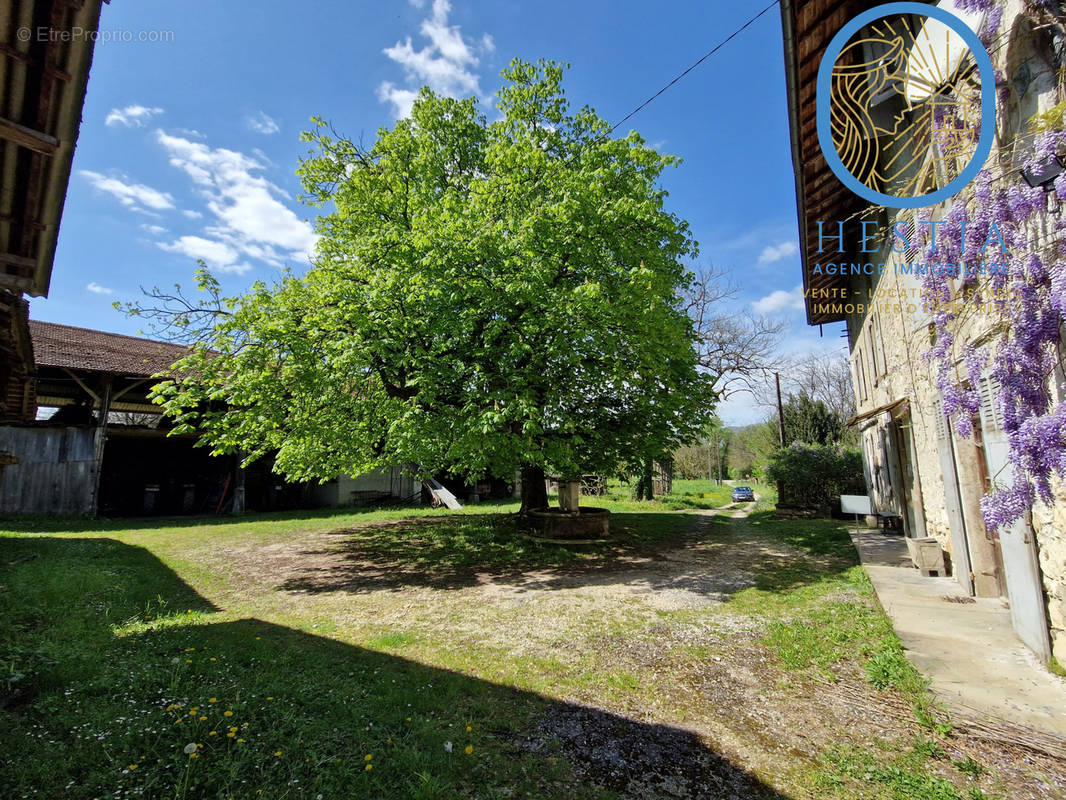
[
  {"x": 192, "y": 214},
  {"x": 261, "y": 122},
  {"x": 235, "y": 269},
  {"x": 403, "y": 100},
  {"x": 219, "y": 256},
  {"x": 444, "y": 64},
  {"x": 777, "y": 252},
  {"x": 250, "y": 218},
  {"x": 134, "y": 116},
  {"x": 215, "y": 253},
  {"x": 96, "y": 288},
  {"x": 155, "y": 230},
  {"x": 779, "y": 300},
  {"x": 132, "y": 195}
]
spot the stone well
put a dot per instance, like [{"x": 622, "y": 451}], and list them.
[{"x": 587, "y": 523}]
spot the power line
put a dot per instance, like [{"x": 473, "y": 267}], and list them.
[
  {"x": 584, "y": 147},
  {"x": 705, "y": 56}
]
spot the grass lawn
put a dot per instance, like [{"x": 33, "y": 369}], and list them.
[
  {"x": 422, "y": 653},
  {"x": 685, "y": 494}
]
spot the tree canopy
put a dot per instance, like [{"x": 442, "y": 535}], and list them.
[{"x": 484, "y": 296}]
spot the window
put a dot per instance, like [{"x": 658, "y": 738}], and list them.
[
  {"x": 860, "y": 375},
  {"x": 874, "y": 369}
]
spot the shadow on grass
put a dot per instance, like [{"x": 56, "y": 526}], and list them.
[
  {"x": 456, "y": 552},
  {"x": 710, "y": 558},
  {"x": 135, "y": 676},
  {"x": 72, "y": 524}
]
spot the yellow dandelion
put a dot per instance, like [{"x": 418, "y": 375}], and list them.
[
  {"x": 212, "y": 699},
  {"x": 277, "y": 754},
  {"x": 194, "y": 755},
  {"x": 408, "y": 719},
  {"x": 134, "y": 766},
  {"x": 257, "y": 638},
  {"x": 227, "y": 713},
  {"x": 270, "y": 698},
  {"x": 188, "y": 661},
  {"x": 231, "y": 734},
  {"x": 469, "y": 749},
  {"x": 369, "y": 767},
  {"x": 212, "y": 658},
  {"x": 239, "y": 739},
  {"x": 212, "y": 733},
  {"x": 192, "y": 712},
  {"x": 468, "y": 729},
  {"x": 234, "y": 729},
  {"x": 203, "y": 719},
  {"x": 368, "y": 757}
]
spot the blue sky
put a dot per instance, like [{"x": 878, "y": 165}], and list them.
[{"x": 189, "y": 145}]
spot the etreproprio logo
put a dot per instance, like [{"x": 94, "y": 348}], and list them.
[{"x": 900, "y": 92}]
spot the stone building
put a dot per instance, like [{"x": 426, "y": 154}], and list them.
[{"x": 920, "y": 469}]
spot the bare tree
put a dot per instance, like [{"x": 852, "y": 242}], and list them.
[
  {"x": 174, "y": 316},
  {"x": 822, "y": 376},
  {"x": 736, "y": 348}
]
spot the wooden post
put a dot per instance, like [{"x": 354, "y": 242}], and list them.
[
  {"x": 99, "y": 440},
  {"x": 780, "y": 433},
  {"x": 238, "y": 484}
]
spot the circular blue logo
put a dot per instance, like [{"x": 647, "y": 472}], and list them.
[{"x": 897, "y": 92}]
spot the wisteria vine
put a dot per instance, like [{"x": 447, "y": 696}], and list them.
[{"x": 1027, "y": 300}]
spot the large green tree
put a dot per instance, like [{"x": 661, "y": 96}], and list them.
[{"x": 485, "y": 296}]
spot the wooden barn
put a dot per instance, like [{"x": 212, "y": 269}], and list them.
[
  {"x": 97, "y": 445},
  {"x": 42, "y": 90}
]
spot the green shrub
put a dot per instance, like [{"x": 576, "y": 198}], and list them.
[{"x": 816, "y": 474}]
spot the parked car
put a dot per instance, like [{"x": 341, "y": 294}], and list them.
[{"x": 743, "y": 494}]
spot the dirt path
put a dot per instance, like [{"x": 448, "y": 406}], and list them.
[{"x": 653, "y": 638}]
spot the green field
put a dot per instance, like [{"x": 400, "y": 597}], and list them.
[{"x": 427, "y": 654}]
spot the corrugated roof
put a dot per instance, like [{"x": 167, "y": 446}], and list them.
[{"x": 74, "y": 348}]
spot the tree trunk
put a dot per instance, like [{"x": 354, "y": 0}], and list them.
[
  {"x": 534, "y": 492},
  {"x": 645, "y": 485}
]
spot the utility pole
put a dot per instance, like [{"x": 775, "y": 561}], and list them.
[
  {"x": 780, "y": 411},
  {"x": 718, "y": 458},
  {"x": 780, "y": 433}
]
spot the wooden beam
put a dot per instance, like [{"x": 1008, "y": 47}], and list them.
[
  {"x": 96, "y": 398},
  {"x": 27, "y": 137},
  {"x": 18, "y": 282},
  {"x": 49, "y": 72},
  {"x": 12, "y": 260},
  {"x": 134, "y": 385},
  {"x": 12, "y": 219}
]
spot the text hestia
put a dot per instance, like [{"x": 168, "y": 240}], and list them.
[{"x": 902, "y": 235}]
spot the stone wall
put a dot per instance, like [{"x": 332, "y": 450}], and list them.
[{"x": 891, "y": 377}]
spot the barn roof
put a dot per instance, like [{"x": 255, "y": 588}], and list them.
[
  {"x": 46, "y": 47},
  {"x": 87, "y": 350}
]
